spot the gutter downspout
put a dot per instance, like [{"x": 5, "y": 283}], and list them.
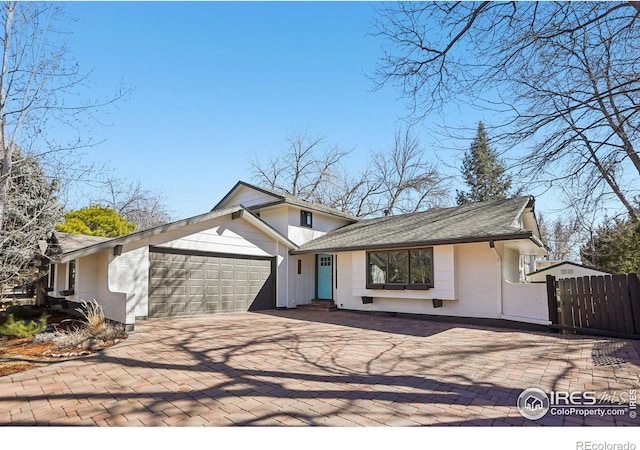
[{"x": 499, "y": 279}]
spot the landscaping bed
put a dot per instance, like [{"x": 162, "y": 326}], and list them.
[{"x": 66, "y": 336}]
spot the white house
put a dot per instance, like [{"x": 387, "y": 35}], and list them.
[
  {"x": 561, "y": 269},
  {"x": 258, "y": 249}
]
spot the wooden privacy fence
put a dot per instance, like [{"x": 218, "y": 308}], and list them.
[{"x": 606, "y": 305}]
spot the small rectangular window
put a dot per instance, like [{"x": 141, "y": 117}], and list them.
[
  {"x": 72, "y": 275},
  {"x": 306, "y": 219},
  {"x": 52, "y": 277}
]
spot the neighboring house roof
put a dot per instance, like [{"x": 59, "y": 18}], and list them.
[
  {"x": 236, "y": 211},
  {"x": 283, "y": 198},
  {"x": 474, "y": 222},
  {"x": 65, "y": 242},
  {"x": 566, "y": 263}
]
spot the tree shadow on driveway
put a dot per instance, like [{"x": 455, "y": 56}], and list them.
[{"x": 255, "y": 369}]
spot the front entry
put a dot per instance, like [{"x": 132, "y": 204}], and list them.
[{"x": 324, "y": 277}]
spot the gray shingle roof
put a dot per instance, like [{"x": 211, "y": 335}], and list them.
[
  {"x": 476, "y": 222},
  {"x": 65, "y": 242}
]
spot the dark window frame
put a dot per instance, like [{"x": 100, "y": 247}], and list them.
[
  {"x": 399, "y": 284},
  {"x": 51, "y": 279},
  {"x": 306, "y": 219},
  {"x": 71, "y": 275}
]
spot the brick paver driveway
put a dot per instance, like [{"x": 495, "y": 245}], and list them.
[{"x": 316, "y": 368}]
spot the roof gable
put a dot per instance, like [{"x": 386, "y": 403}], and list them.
[
  {"x": 256, "y": 198},
  {"x": 566, "y": 263},
  {"x": 475, "y": 222}
]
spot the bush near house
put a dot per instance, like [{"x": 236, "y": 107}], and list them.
[{"x": 23, "y": 327}]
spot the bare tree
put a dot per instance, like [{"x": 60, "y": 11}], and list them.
[
  {"x": 399, "y": 179},
  {"x": 562, "y": 236},
  {"x": 38, "y": 84},
  {"x": 303, "y": 169},
  {"x": 564, "y": 78},
  {"x": 143, "y": 207},
  {"x": 409, "y": 182}
]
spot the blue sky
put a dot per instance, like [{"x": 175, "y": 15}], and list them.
[{"x": 217, "y": 83}]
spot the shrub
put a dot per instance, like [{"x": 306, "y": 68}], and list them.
[
  {"x": 79, "y": 336},
  {"x": 23, "y": 328},
  {"x": 24, "y": 311},
  {"x": 93, "y": 316}
]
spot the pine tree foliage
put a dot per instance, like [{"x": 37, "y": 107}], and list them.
[
  {"x": 614, "y": 247},
  {"x": 96, "y": 221},
  {"x": 31, "y": 213},
  {"x": 483, "y": 172}
]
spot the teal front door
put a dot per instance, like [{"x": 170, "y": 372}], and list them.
[{"x": 324, "y": 276}]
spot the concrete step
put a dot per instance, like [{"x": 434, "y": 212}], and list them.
[{"x": 319, "y": 305}]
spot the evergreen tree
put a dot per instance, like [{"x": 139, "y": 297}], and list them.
[
  {"x": 31, "y": 213},
  {"x": 483, "y": 172},
  {"x": 96, "y": 221},
  {"x": 614, "y": 247}
]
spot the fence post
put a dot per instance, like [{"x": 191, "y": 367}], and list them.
[
  {"x": 552, "y": 300},
  {"x": 634, "y": 297}
]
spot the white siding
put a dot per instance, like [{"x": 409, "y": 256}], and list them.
[
  {"x": 286, "y": 220},
  {"x": 91, "y": 284},
  {"x": 223, "y": 235},
  {"x": 277, "y": 218},
  {"x": 302, "y": 286},
  {"x": 322, "y": 224},
  {"x": 129, "y": 275},
  {"x": 477, "y": 281},
  {"x": 525, "y": 302},
  {"x": 511, "y": 265},
  {"x": 249, "y": 197}
]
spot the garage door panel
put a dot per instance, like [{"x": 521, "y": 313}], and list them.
[
  {"x": 158, "y": 309},
  {"x": 227, "y": 290},
  {"x": 176, "y": 291},
  {"x": 227, "y": 275},
  {"x": 196, "y": 274},
  {"x": 177, "y": 308},
  {"x": 213, "y": 274},
  {"x": 179, "y": 274},
  {"x": 177, "y": 258},
  {"x": 196, "y": 290},
  {"x": 160, "y": 292},
  {"x": 242, "y": 275},
  {"x": 185, "y": 284},
  {"x": 211, "y": 307},
  {"x": 211, "y": 291}
]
